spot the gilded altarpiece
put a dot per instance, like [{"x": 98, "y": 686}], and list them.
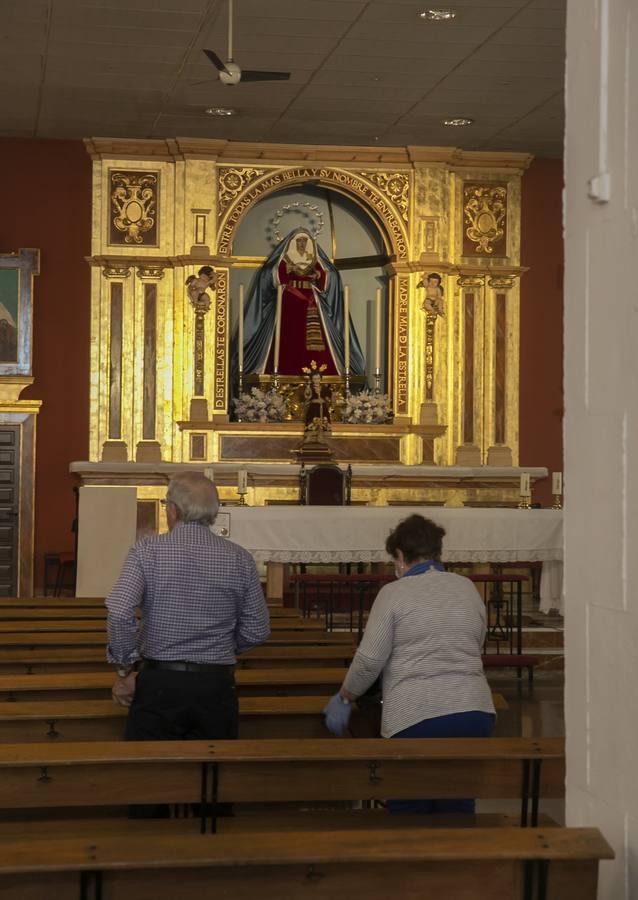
[{"x": 162, "y": 377}]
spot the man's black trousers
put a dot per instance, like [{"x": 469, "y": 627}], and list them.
[{"x": 180, "y": 706}]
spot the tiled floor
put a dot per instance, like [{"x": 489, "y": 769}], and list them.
[
  {"x": 530, "y": 714},
  {"x": 538, "y": 712}
]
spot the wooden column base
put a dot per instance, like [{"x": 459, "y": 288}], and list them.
[
  {"x": 468, "y": 455},
  {"x": 148, "y": 452},
  {"x": 499, "y": 455},
  {"x": 114, "y": 451},
  {"x": 199, "y": 409}
]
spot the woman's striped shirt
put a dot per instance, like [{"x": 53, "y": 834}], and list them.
[{"x": 425, "y": 635}]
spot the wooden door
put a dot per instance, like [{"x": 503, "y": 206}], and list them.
[{"x": 9, "y": 508}]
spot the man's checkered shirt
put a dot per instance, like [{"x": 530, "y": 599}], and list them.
[{"x": 199, "y": 595}]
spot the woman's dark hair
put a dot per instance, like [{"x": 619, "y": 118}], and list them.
[{"x": 417, "y": 538}]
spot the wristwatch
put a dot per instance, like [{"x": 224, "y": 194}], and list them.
[{"x": 123, "y": 671}]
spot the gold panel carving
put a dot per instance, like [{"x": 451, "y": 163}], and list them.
[
  {"x": 133, "y": 217},
  {"x": 220, "y": 398},
  {"x": 501, "y": 283},
  {"x": 114, "y": 271},
  {"x": 395, "y": 186},
  {"x": 367, "y": 194},
  {"x": 150, "y": 273},
  {"x": 231, "y": 182},
  {"x": 485, "y": 218},
  {"x": 471, "y": 281},
  {"x": 403, "y": 343}
]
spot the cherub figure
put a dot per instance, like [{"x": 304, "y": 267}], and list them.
[
  {"x": 433, "y": 302},
  {"x": 197, "y": 286}
]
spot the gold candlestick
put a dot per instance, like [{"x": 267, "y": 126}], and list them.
[
  {"x": 558, "y": 502},
  {"x": 524, "y": 502}
]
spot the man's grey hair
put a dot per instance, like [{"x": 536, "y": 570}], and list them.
[{"x": 194, "y": 496}]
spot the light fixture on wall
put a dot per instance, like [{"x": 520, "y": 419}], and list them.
[
  {"x": 437, "y": 15},
  {"x": 458, "y": 122},
  {"x": 220, "y": 111}
]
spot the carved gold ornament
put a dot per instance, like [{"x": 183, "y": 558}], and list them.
[
  {"x": 485, "y": 210},
  {"x": 134, "y": 205},
  {"x": 115, "y": 271},
  {"x": 150, "y": 273},
  {"x": 395, "y": 186},
  {"x": 231, "y": 184},
  {"x": 470, "y": 281},
  {"x": 501, "y": 283}
]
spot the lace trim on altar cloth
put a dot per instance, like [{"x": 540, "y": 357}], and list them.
[{"x": 457, "y": 556}]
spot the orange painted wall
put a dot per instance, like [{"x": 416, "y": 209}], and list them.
[
  {"x": 541, "y": 392},
  {"x": 46, "y": 203}
]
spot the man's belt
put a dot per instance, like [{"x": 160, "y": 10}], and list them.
[{"x": 178, "y": 665}]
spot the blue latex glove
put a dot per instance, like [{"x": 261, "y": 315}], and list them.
[{"x": 337, "y": 713}]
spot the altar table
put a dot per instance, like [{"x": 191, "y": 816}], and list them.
[{"x": 340, "y": 534}]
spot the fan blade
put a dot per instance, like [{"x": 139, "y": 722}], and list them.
[
  {"x": 252, "y": 75},
  {"x": 216, "y": 61}
]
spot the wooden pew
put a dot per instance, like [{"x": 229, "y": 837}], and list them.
[
  {"x": 39, "y": 660},
  {"x": 47, "y": 611},
  {"x": 88, "y": 603},
  {"x": 97, "y": 685},
  {"x": 486, "y": 864},
  {"x": 97, "y": 624},
  {"x": 55, "y": 776},
  {"x": 97, "y": 638},
  {"x": 103, "y": 720}
]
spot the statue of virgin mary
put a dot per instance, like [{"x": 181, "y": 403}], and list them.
[{"x": 312, "y": 323}]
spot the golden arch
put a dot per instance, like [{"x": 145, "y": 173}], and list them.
[{"x": 349, "y": 183}]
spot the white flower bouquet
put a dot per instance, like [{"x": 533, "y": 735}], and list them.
[
  {"x": 367, "y": 408},
  {"x": 261, "y": 406}
]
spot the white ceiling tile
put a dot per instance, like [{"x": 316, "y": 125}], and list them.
[
  {"x": 540, "y": 18},
  {"x": 118, "y": 54},
  {"x": 33, "y": 12},
  {"x": 119, "y": 6},
  {"x": 96, "y": 18},
  {"x": 541, "y": 37},
  {"x": 339, "y": 10},
  {"x": 370, "y": 92},
  {"x": 132, "y": 37},
  {"x": 266, "y": 28},
  {"x": 514, "y": 53},
  {"x": 359, "y": 67},
  {"x": 483, "y": 15}
]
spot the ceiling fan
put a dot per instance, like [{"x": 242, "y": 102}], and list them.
[{"x": 229, "y": 71}]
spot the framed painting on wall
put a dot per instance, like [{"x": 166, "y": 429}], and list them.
[{"x": 16, "y": 310}]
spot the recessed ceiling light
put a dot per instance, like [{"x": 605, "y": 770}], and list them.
[
  {"x": 220, "y": 111},
  {"x": 437, "y": 15},
  {"x": 458, "y": 122}
]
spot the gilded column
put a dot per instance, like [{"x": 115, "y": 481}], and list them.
[
  {"x": 501, "y": 361},
  {"x": 114, "y": 447},
  {"x": 148, "y": 448},
  {"x": 468, "y": 452}
]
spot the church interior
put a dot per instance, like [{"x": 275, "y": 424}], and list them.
[{"x": 339, "y": 258}]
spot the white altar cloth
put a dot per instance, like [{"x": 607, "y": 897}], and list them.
[{"x": 329, "y": 534}]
